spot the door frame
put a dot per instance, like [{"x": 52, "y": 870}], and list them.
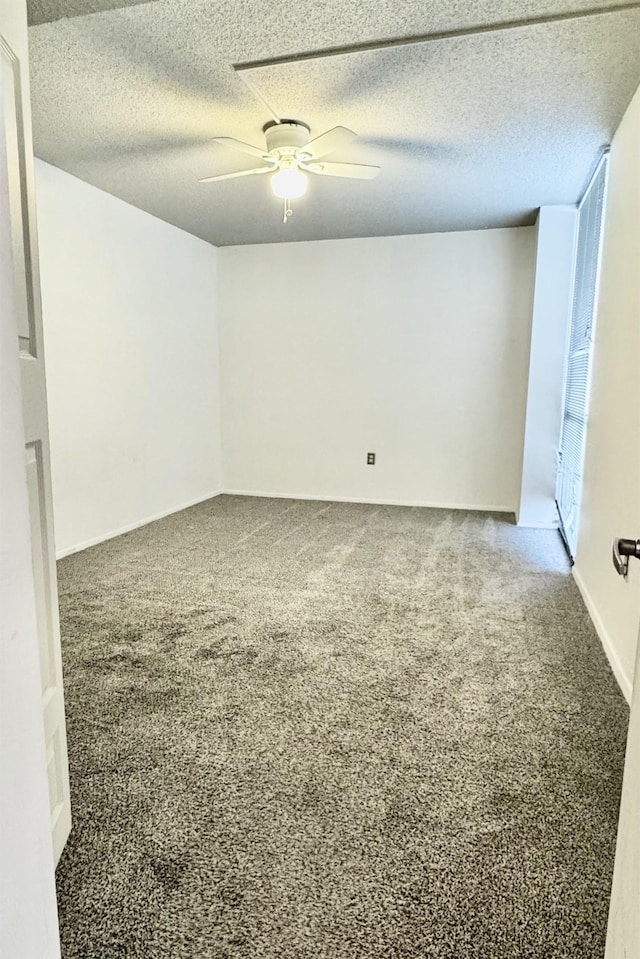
[
  {"x": 27, "y": 878},
  {"x": 29, "y": 921}
]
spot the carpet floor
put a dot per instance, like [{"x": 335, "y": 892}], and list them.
[{"x": 303, "y": 730}]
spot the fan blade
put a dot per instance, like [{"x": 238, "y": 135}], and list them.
[
  {"x": 355, "y": 171},
  {"x": 234, "y": 144},
  {"x": 330, "y": 141},
  {"x": 232, "y": 176}
]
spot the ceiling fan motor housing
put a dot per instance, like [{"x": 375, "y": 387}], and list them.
[{"x": 286, "y": 138}]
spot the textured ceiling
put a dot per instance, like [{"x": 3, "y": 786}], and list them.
[
  {"x": 473, "y": 129},
  {"x": 44, "y": 11}
]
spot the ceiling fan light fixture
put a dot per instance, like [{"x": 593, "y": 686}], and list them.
[
  {"x": 290, "y": 156},
  {"x": 289, "y": 184}
]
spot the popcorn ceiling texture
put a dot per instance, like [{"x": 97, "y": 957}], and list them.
[
  {"x": 44, "y": 11},
  {"x": 302, "y": 730},
  {"x": 471, "y": 132}
]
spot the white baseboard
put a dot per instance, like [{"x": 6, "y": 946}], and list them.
[
  {"x": 94, "y": 541},
  {"x": 373, "y": 502},
  {"x": 624, "y": 682}
]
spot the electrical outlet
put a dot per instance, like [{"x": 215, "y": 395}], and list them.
[{"x": 371, "y": 459}]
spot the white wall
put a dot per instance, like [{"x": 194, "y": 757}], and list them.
[
  {"x": 413, "y": 347},
  {"x": 611, "y": 493},
  {"x": 555, "y": 255},
  {"x": 132, "y": 369}
]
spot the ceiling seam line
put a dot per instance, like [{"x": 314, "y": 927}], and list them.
[{"x": 390, "y": 44}]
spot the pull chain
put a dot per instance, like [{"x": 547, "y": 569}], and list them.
[{"x": 287, "y": 212}]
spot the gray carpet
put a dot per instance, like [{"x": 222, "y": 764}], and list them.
[{"x": 306, "y": 730}]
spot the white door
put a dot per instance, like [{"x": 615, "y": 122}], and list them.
[
  {"x": 17, "y": 187},
  {"x": 623, "y": 933}
]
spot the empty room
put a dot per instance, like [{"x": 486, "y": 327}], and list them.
[{"x": 319, "y": 500}]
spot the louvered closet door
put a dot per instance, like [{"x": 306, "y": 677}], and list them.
[
  {"x": 16, "y": 188},
  {"x": 576, "y": 399}
]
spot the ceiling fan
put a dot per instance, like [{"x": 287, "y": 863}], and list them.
[{"x": 290, "y": 155}]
